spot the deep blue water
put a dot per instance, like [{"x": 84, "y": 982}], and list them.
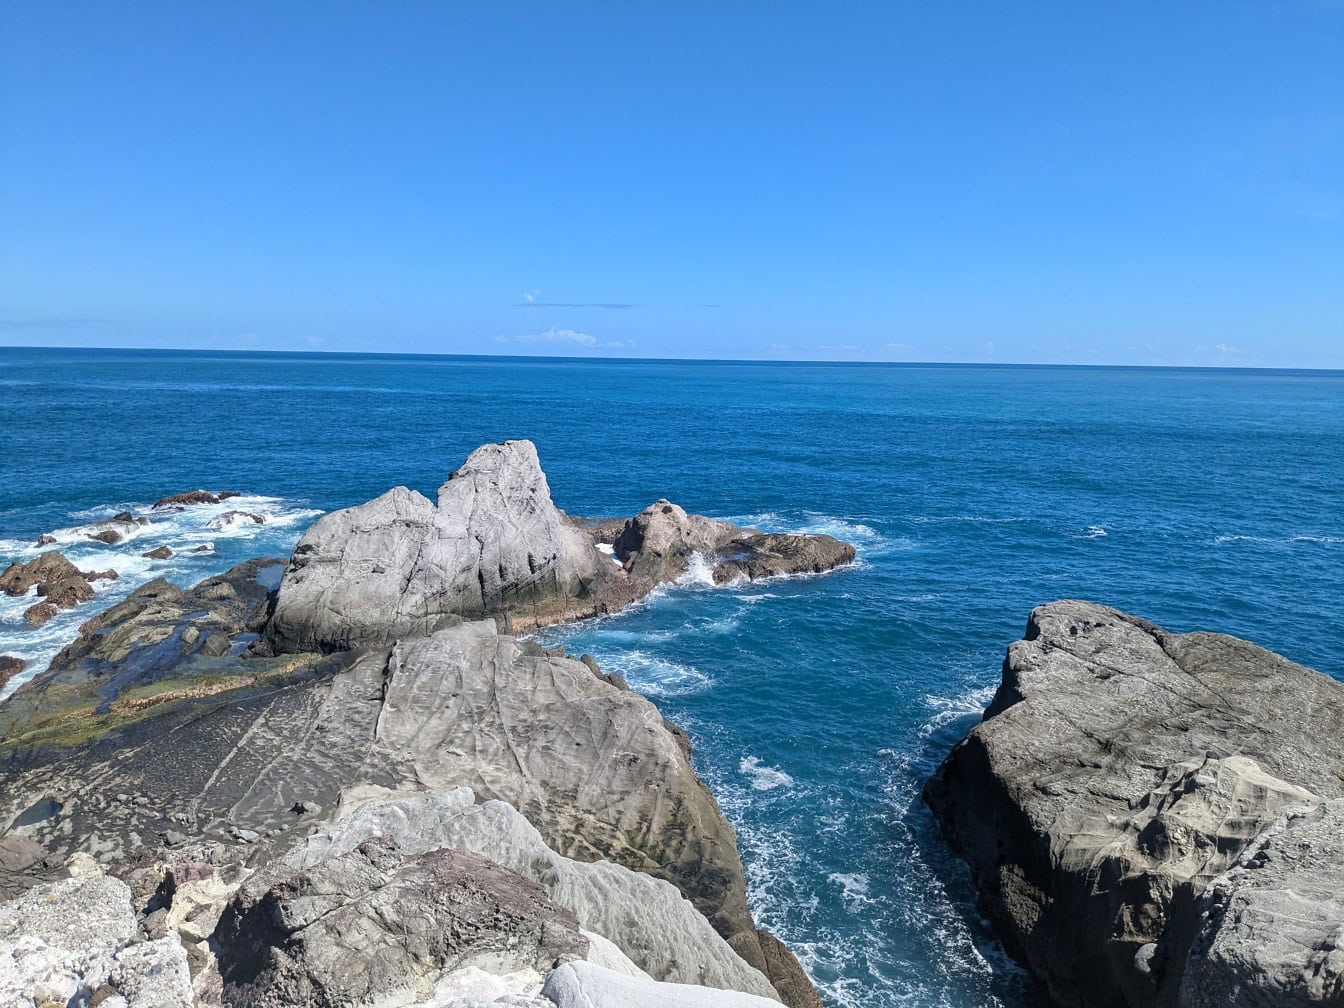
[{"x": 1196, "y": 498}]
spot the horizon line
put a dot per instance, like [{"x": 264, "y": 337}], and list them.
[{"x": 667, "y": 360}]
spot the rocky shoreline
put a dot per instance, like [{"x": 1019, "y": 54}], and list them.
[
  {"x": 1156, "y": 819},
  {"x": 341, "y": 779}
]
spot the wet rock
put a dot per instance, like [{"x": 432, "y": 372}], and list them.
[
  {"x": 190, "y": 498},
  {"x": 48, "y": 568},
  {"x": 10, "y": 666},
  {"x": 39, "y": 614},
  {"x": 25, "y": 863},
  {"x": 775, "y": 554},
  {"x": 656, "y": 545},
  {"x": 204, "y": 549},
  {"x": 109, "y": 536},
  {"x": 68, "y": 592},
  {"x": 1119, "y": 770},
  {"x": 230, "y": 517},
  {"x": 158, "y": 553},
  {"x": 45, "y": 540}
]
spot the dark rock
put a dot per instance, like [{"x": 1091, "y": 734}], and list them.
[
  {"x": 203, "y": 549},
  {"x": 354, "y": 928},
  {"x": 107, "y": 575},
  {"x": 45, "y": 540},
  {"x": 25, "y": 863},
  {"x": 109, "y": 536},
  {"x": 10, "y": 666},
  {"x": 774, "y": 554},
  {"x": 36, "y": 615},
  {"x": 1119, "y": 770},
  {"x": 787, "y": 975},
  {"x": 188, "y": 499},
  {"x": 159, "y": 553},
  {"x": 48, "y": 568},
  {"x": 68, "y": 592}
]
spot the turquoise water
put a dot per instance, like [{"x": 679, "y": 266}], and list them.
[{"x": 1199, "y": 499}]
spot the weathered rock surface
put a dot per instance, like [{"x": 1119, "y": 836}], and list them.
[
  {"x": 401, "y": 565},
  {"x": 159, "y": 553},
  {"x": 587, "y": 985},
  {"x": 71, "y": 941},
  {"x": 648, "y": 919},
  {"x": 656, "y": 545},
  {"x": 371, "y": 926},
  {"x": 59, "y": 583},
  {"x": 1118, "y": 771},
  {"x": 10, "y": 666},
  {"x": 1272, "y": 926}
]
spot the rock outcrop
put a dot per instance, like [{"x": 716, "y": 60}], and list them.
[
  {"x": 57, "y": 581},
  {"x": 1104, "y": 801},
  {"x": 193, "y": 497}
]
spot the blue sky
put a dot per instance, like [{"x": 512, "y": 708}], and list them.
[{"x": 1158, "y": 183}]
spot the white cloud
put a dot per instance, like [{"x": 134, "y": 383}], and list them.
[
  {"x": 566, "y": 336},
  {"x": 531, "y": 295},
  {"x": 1225, "y": 348}
]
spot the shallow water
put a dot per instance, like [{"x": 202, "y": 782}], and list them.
[{"x": 1198, "y": 499}]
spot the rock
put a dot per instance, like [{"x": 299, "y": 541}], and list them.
[
  {"x": 401, "y": 565},
  {"x": 25, "y": 863},
  {"x": 45, "y": 540},
  {"x": 305, "y": 808},
  {"x": 107, "y": 575},
  {"x": 158, "y": 553},
  {"x": 371, "y": 926},
  {"x": 587, "y": 985},
  {"x": 109, "y": 536},
  {"x": 67, "y": 592},
  {"x": 204, "y": 549},
  {"x": 10, "y": 666},
  {"x": 774, "y": 554},
  {"x": 153, "y": 974},
  {"x": 1272, "y": 925},
  {"x": 48, "y": 568},
  {"x": 656, "y": 544},
  {"x": 1118, "y": 771},
  {"x": 236, "y": 517},
  {"x": 190, "y": 498},
  {"x": 36, "y": 615},
  {"x": 648, "y": 919}
]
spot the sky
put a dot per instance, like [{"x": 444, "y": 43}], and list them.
[{"x": 1066, "y": 182}]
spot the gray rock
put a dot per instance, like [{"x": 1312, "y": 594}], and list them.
[
  {"x": 372, "y": 927},
  {"x": 1272, "y": 926},
  {"x": 401, "y": 565},
  {"x": 647, "y": 919},
  {"x": 1119, "y": 769},
  {"x": 656, "y": 545},
  {"x": 587, "y": 985}
]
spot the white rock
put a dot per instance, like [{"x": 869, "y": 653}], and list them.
[{"x": 585, "y": 985}]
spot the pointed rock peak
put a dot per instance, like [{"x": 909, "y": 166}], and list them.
[{"x": 509, "y": 470}]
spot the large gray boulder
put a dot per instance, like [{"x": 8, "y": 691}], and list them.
[
  {"x": 648, "y": 919},
  {"x": 1117, "y": 772},
  {"x": 402, "y": 565}
]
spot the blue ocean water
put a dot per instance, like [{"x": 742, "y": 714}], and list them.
[{"x": 1196, "y": 498}]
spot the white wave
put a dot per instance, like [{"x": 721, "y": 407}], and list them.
[
  {"x": 763, "y": 778},
  {"x": 1280, "y": 541},
  {"x": 853, "y": 887},
  {"x": 971, "y": 519},
  {"x": 655, "y": 676},
  {"x": 1096, "y": 531},
  {"x": 950, "y": 709},
  {"x": 699, "y": 572}
]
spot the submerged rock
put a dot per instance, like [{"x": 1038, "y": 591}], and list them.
[
  {"x": 1119, "y": 770},
  {"x": 194, "y": 497},
  {"x": 159, "y": 553}
]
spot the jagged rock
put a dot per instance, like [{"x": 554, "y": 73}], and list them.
[
  {"x": 159, "y": 553},
  {"x": 230, "y": 517},
  {"x": 656, "y": 544},
  {"x": 587, "y": 985},
  {"x": 1272, "y": 926},
  {"x": 773, "y": 554},
  {"x": 45, "y": 540},
  {"x": 648, "y": 919},
  {"x": 68, "y": 592},
  {"x": 109, "y": 536},
  {"x": 373, "y": 927},
  {"x": 1118, "y": 770},
  {"x": 48, "y": 568},
  {"x": 401, "y": 565},
  {"x": 192, "y": 497}
]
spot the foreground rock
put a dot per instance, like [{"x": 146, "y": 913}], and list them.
[
  {"x": 1104, "y": 801},
  {"x": 494, "y": 544}
]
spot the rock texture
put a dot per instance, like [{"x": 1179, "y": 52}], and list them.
[
  {"x": 1119, "y": 770},
  {"x": 372, "y": 926},
  {"x": 587, "y": 985},
  {"x": 648, "y": 919},
  {"x": 194, "y": 497}
]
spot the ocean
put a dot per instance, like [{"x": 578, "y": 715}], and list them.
[{"x": 1199, "y": 499}]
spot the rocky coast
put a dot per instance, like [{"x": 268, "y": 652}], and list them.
[
  {"x": 343, "y": 778},
  {"x": 1154, "y": 819}
]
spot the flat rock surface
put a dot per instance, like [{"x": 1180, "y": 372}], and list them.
[{"x": 1119, "y": 769}]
